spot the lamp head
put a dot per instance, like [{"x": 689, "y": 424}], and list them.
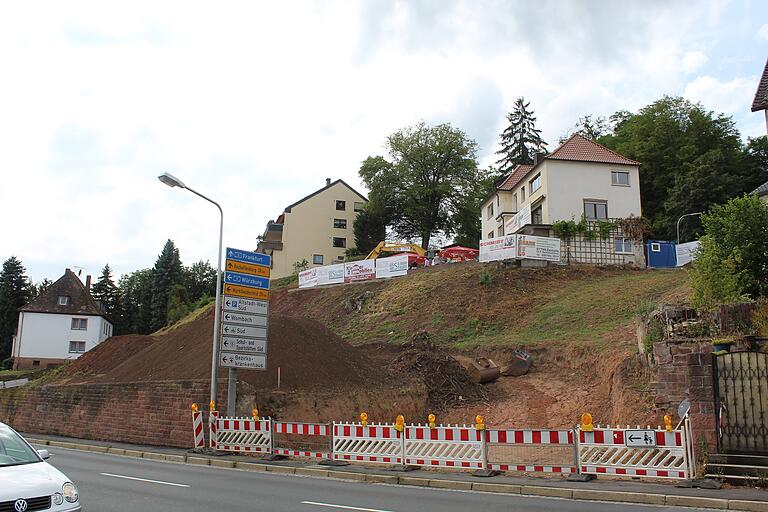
[{"x": 171, "y": 180}]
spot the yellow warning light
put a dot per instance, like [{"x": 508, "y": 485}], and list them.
[
  {"x": 364, "y": 418},
  {"x": 255, "y": 413},
  {"x": 431, "y": 419},
  {"x": 479, "y": 423},
  {"x": 195, "y": 408},
  {"x": 586, "y": 423},
  {"x": 399, "y": 423},
  {"x": 212, "y": 405},
  {"x": 668, "y": 422}
]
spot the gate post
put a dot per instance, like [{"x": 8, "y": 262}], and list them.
[{"x": 576, "y": 456}]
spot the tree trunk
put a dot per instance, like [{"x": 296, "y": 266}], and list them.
[{"x": 425, "y": 240}]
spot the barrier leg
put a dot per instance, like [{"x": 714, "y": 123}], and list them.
[
  {"x": 485, "y": 471},
  {"x": 578, "y": 476}
]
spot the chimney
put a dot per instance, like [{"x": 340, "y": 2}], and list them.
[
  {"x": 538, "y": 157},
  {"x": 327, "y": 182},
  {"x": 88, "y": 283},
  {"x": 67, "y": 270}
]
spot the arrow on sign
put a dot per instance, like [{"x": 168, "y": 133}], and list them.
[
  {"x": 226, "y": 328},
  {"x": 226, "y": 316},
  {"x": 228, "y": 303},
  {"x": 224, "y": 358},
  {"x": 226, "y": 343},
  {"x": 634, "y": 438}
]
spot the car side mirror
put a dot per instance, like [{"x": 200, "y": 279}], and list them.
[{"x": 44, "y": 454}]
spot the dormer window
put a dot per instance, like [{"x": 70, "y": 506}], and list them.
[{"x": 63, "y": 300}]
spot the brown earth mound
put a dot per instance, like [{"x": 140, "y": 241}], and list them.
[{"x": 308, "y": 354}]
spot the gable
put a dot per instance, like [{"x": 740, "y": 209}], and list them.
[
  {"x": 338, "y": 182},
  {"x": 69, "y": 285}
]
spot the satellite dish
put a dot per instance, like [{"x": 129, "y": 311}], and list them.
[{"x": 683, "y": 408}]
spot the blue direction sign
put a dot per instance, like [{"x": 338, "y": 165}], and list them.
[
  {"x": 254, "y": 258},
  {"x": 246, "y": 280}
]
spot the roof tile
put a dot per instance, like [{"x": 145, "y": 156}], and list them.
[
  {"x": 68, "y": 285},
  {"x": 761, "y": 95},
  {"x": 581, "y": 149}
]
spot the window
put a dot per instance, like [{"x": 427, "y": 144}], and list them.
[
  {"x": 535, "y": 184},
  {"x": 76, "y": 347},
  {"x": 79, "y": 324},
  {"x": 514, "y": 202},
  {"x": 655, "y": 247},
  {"x": 317, "y": 259},
  {"x": 340, "y": 223},
  {"x": 36, "y": 363},
  {"x": 359, "y": 206},
  {"x": 341, "y": 205},
  {"x": 490, "y": 211},
  {"x": 594, "y": 210},
  {"x": 501, "y": 230},
  {"x": 490, "y": 234},
  {"x": 63, "y": 300},
  {"x": 537, "y": 216},
  {"x": 339, "y": 242},
  {"x": 620, "y": 178},
  {"x": 522, "y": 195},
  {"x": 498, "y": 200},
  {"x": 622, "y": 245},
  {"x": 105, "y": 327}
]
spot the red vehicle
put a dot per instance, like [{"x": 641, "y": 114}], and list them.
[{"x": 459, "y": 253}]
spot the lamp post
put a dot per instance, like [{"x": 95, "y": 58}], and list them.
[
  {"x": 678, "y": 223},
  {"x": 172, "y": 181}
]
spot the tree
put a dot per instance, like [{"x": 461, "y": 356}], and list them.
[
  {"x": 467, "y": 225},
  {"x": 178, "y": 304},
  {"x": 520, "y": 141},
  {"x": 166, "y": 273},
  {"x": 430, "y": 172},
  {"x": 590, "y": 127},
  {"x": 40, "y": 288},
  {"x": 200, "y": 280},
  {"x": 370, "y": 227},
  {"x": 732, "y": 259},
  {"x": 690, "y": 159},
  {"x": 105, "y": 291},
  {"x": 15, "y": 291},
  {"x": 135, "y": 303}
]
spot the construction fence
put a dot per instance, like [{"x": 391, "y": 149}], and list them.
[{"x": 651, "y": 453}]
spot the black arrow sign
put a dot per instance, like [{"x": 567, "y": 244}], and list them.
[
  {"x": 224, "y": 359},
  {"x": 226, "y": 328},
  {"x": 226, "y": 316},
  {"x": 634, "y": 438},
  {"x": 228, "y": 302},
  {"x": 226, "y": 343}
]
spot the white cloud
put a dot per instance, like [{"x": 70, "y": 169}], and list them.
[
  {"x": 763, "y": 32},
  {"x": 729, "y": 97},
  {"x": 692, "y": 61}
]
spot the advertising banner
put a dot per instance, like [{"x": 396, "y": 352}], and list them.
[
  {"x": 520, "y": 219},
  {"x": 308, "y": 278},
  {"x": 497, "y": 249},
  {"x": 362, "y": 270},
  {"x": 392, "y": 266},
  {"x": 331, "y": 274},
  {"x": 686, "y": 252},
  {"x": 538, "y": 248}
]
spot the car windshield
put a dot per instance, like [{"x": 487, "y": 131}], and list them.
[{"x": 13, "y": 449}]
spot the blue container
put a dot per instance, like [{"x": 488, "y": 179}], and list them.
[{"x": 660, "y": 254}]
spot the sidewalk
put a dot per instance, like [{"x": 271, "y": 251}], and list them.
[{"x": 601, "y": 489}]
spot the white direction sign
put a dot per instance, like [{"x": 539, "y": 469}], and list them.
[
  {"x": 249, "y": 361},
  {"x": 239, "y": 305},
  {"x": 640, "y": 438},
  {"x": 244, "y": 319},
  {"x": 244, "y": 331},
  {"x": 238, "y": 344}
]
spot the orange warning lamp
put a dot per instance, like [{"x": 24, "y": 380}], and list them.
[
  {"x": 195, "y": 408},
  {"x": 364, "y": 418},
  {"x": 399, "y": 423},
  {"x": 668, "y": 422},
  {"x": 212, "y": 405},
  {"x": 479, "y": 423},
  {"x": 255, "y": 413},
  {"x": 431, "y": 419},
  {"x": 586, "y": 423}
]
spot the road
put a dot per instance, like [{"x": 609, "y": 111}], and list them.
[{"x": 116, "y": 484}]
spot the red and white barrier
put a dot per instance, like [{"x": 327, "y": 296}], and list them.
[
  {"x": 446, "y": 446},
  {"x": 244, "y": 435},
  {"x": 319, "y": 430},
  {"x": 197, "y": 429},
  {"x": 213, "y": 419},
  {"x": 534, "y": 439},
  {"x": 381, "y": 444}
]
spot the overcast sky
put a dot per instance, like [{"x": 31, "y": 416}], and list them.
[{"x": 256, "y": 103}]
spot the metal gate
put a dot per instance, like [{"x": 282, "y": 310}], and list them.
[{"x": 741, "y": 402}]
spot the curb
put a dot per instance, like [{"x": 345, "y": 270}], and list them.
[{"x": 461, "y": 485}]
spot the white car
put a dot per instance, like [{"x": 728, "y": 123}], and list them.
[{"x": 27, "y": 482}]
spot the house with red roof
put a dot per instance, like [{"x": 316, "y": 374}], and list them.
[{"x": 579, "y": 179}]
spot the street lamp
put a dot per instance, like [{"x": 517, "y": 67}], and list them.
[
  {"x": 678, "y": 223},
  {"x": 173, "y": 181}
]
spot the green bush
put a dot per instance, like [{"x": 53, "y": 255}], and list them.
[
  {"x": 654, "y": 334},
  {"x": 485, "y": 277}
]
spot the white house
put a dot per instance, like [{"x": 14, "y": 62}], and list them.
[
  {"x": 579, "y": 179},
  {"x": 61, "y": 324}
]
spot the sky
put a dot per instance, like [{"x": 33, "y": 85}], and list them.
[{"x": 255, "y": 104}]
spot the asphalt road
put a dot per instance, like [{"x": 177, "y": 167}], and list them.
[{"x": 117, "y": 484}]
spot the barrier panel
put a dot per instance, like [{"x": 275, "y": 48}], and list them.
[
  {"x": 379, "y": 443},
  {"x": 244, "y": 435},
  {"x": 213, "y": 419},
  {"x": 446, "y": 446},
  {"x": 197, "y": 429},
  {"x": 311, "y": 440},
  {"x": 619, "y": 452},
  {"x": 533, "y": 451}
]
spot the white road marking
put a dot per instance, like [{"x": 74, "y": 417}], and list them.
[
  {"x": 345, "y": 507},
  {"x": 143, "y": 480}
]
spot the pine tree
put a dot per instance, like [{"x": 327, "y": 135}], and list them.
[
  {"x": 167, "y": 273},
  {"x": 40, "y": 288},
  {"x": 105, "y": 291},
  {"x": 15, "y": 291},
  {"x": 520, "y": 141}
]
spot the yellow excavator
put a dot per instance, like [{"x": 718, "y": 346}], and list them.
[{"x": 416, "y": 254}]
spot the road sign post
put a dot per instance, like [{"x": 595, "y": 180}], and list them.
[{"x": 244, "y": 315}]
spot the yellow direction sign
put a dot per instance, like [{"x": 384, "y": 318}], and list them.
[
  {"x": 247, "y": 268},
  {"x": 246, "y": 292}
]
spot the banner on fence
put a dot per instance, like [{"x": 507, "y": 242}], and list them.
[
  {"x": 308, "y": 278},
  {"x": 331, "y": 274},
  {"x": 686, "y": 252},
  {"x": 497, "y": 249},
  {"x": 392, "y": 266},
  {"x": 362, "y": 270},
  {"x": 517, "y": 221},
  {"x": 538, "y": 248}
]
